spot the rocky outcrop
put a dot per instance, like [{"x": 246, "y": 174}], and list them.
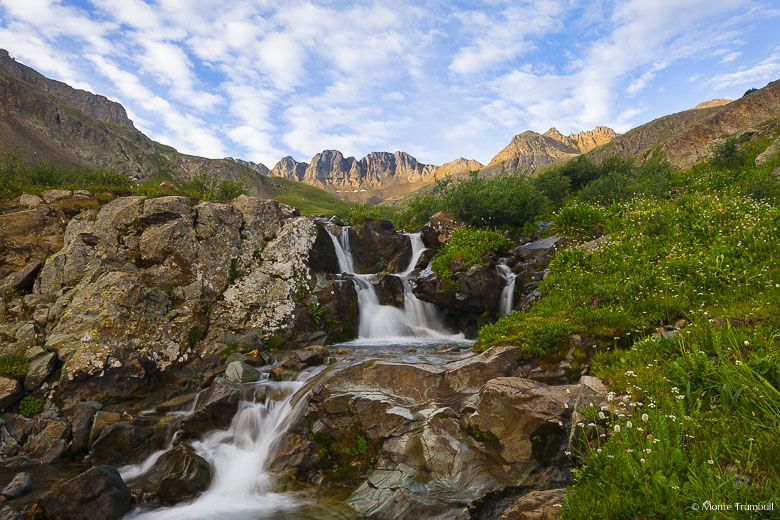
[
  {"x": 431, "y": 441},
  {"x": 144, "y": 284},
  {"x": 376, "y": 247},
  {"x": 331, "y": 170},
  {"x": 532, "y": 150}
]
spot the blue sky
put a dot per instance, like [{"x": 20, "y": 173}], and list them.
[{"x": 263, "y": 79}]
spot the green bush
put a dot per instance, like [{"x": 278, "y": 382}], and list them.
[
  {"x": 13, "y": 365},
  {"x": 578, "y": 220},
  {"x": 469, "y": 246},
  {"x": 30, "y": 406},
  {"x": 553, "y": 184}
]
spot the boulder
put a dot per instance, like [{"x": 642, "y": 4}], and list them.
[
  {"x": 97, "y": 494},
  {"x": 240, "y": 372},
  {"x": 536, "y": 505},
  {"x": 10, "y": 392},
  {"x": 538, "y": 248},
  {"x": 19, "y": 485},
  {"x": 767, "y": 155},
  {"x": 80, "y": 418},
  {"x": 50, "y": 196},
  {"x": 127, "y": 443},
  {"x": 215, "y": 409},
  {"x": 30, "y": 201},
  {"x": 39, "y": 369},
  {"x": 481, "y": 288},
  {"x": 338, "y": 298},
  {"x": 183, "y": 474},
  {"x": 21, "y": 280},
  {"x": 164, "y": 209},
  {"x": 49, "y": 439},
  {"x": 389, "y": 289},
  {"x": 9, "y": 513},
  {"x": 377, "y": 247}
]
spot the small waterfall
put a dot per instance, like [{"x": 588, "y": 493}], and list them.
[
  {"x": 241, "y": 486},
  {"x": 508, "y": 294},
  {"x": 418, "y": 319}
]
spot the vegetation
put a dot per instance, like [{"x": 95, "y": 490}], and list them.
[
  {"x": 467, "y": 247},
  {"x": 13, "y": 365},
  {"x": 308, "y": 199},
  {"x": 702, "y": 413},
  {"x": 30, "y": 406}
]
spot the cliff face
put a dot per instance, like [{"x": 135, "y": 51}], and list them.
[
  {"x": 331, "y": 170},
  {"x": 531, "y": 149},
  {"x": 92, "y": 105},
  {"x": 688, "y": 137}
]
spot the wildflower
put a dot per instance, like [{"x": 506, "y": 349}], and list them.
[
  {"x": 617, "y": 428},
  {"x": 710, "y": 462},
  {"x": 602, "y": 416},
  {"x": 629, "y": 425},
  {"x": 650, "y": 436},
  {"x": 747, "y": 343},
  {"x": 645, "y": 417},
  {"x": 598, "y": 450},
  {"x": 648, "y": 450},
  {"x": 642, "y": 461}
]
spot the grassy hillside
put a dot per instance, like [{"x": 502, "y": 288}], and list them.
[
  {"x": 308, "y": 199},
  {"x": 695, "y": 415}
]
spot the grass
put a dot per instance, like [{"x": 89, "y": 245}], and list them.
[
  {"x": 13, "y": 365},
  {"x": 310, "y": 200},
  {"x": 467, "y": 247},
  {"x": 700, "y": 417}
]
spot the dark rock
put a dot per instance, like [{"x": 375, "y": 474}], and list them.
[
  {"x": 80, "y": 418},
  {"x": 9, "y": 513},
  {"x": 10, "y": 392},
  {"x": 309, "y": 357},
  {"x": 49, "y": 439},
  {"x": 389, "y": 289},
  {"x": 215, "y": 409},
  {"x": 177, "y": 403},
  {"x": 376, "y": 247},
  {"x": 183, "y": 474},
  {"x": 127, "y": 443},
  {"x": 481, "y": 288},
  {"x": 19, "y": 485},
  {"x": 322, "y": 256},
  {"x": 39, "y": 369},
  {"x": 311, "y": 338},
  {"x": 339, "y": 299},
  {"x": 21, "y": 280},
  {"x": 97, "y": 494}
]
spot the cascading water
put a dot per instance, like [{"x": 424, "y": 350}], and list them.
[
  {"x": 418, "y": 319},
  {"x": 241, "y": 487},
  {"x": 508, "y": 294}
]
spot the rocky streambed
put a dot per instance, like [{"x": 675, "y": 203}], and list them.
[{"x": 183, "y": 360}]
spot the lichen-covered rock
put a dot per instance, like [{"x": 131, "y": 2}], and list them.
[
  {"x": 97, "y": 494},
  {"x": 10, "y": 392},
  {"x": 240, "y": 372},
  {"x": 39, "y": 369}
]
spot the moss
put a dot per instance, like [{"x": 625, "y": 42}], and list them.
[
  {"x": 30, "y": 406},
  {"x": 482, "y": 436}
]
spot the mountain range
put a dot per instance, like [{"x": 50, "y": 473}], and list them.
[{"x": 49, "y": 120}]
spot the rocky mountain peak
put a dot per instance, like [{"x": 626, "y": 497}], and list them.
[{"x": 93, "y": 105}]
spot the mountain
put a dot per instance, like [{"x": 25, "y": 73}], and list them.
[
  {"x": 689, "y": 136},
  {"x": 260, "y": 168},
  {"x": 532, "y": 150},
  {"x": 49, "y": 120},
  {"x": 713, "y": 103}
]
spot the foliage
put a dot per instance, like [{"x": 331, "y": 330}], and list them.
[
  {"x": 13, "y": 365},
  {"x": 232, "y": 348},
  {"x": 482, "y": 436},
  {"x": 234, "y": 272},
  {"x": 357, "y": 214},
  {"x": 207, "y": 186},
  {"x": 468, "y": 246},
  {"x": 730, "y": 154},
  {"x": 749, "y": 91},
  {"x": 193, "y": 336},
  {"x": 308, "y": 199},
  {"x": 553, "y": 184},
  {"x": 503, "y": 202},
  {"x": 30, "y": 406},
  {"x": 316, "y": 311},
  {"x": 579, "y": 220}
]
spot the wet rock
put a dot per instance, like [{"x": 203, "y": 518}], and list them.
[
  {"x": 39, "y": 369},
  {"x": 177, "y": 403},
  {"x": 127, "y": 443},
  {"x": 97, "y": 494},
  {"x": 183, "y": 474},
  {"x": 10, "y": 392},
  {"x": 481, "y": 288},
  {"x": 339, "y": 300},
  {"x": 80, "y": 418},
  {"x": 377, "y": 247},
  {"x": 240, "y": 372},
  {"x": 215, "y": 409},
  {"x": 310, "y": 357},
  {"x": 21, "y": 484},
  {"x": 389, "y": 289}
]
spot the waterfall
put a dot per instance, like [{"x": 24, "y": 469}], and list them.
[
  {"x": 241, "y": 487},
  {"x": 508, "y": 294},
  {"x": 418, "y": 319}
]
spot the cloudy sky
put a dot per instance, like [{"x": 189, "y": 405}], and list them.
[{"x": 260, "y": 79}]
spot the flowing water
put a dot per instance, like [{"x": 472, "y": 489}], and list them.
[
  {"x": 242, "y": 487},
  {"x": 508, "y": 294}
]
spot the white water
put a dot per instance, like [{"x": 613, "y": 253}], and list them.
[
  {"x": 508, "y": 294},
  {"x": 241, "y": 487},
  {"x": 386, "y": 323}
]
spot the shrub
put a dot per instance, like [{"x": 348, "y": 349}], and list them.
[
  {"x": 229, "y": 189},
  {"x": 469, "y": 246},
  {"x": 30, "y": 406},
  {"x": 553, "y": 184},
  {"x": 578, "y": 219}
]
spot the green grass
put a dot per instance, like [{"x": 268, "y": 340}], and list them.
[
  {"x": 310, "y": 200},
  {"x": 708, "y": 398},
  {"x": 13, "y": 365},
  {"x": 467, "y": 247}
]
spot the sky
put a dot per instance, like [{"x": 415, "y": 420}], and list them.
[{"x": 260, "y": 80}]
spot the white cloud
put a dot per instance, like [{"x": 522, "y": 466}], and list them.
[{"x": 755, "y": 76}]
